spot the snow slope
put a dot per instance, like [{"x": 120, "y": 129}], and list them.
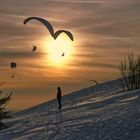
[{"x": 101, "y": 112}]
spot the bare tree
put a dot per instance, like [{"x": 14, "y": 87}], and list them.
[
  {"x": 130, "y": 71},
  {"x": 3, "y": 112}
]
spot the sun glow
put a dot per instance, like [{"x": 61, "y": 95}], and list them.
[{"x": 59, "y": 51}]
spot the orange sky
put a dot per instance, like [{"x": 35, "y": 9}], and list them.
[{"x": 105, "y": 31}]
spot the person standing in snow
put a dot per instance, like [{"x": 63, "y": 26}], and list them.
[{"x": 59, "y": 96}]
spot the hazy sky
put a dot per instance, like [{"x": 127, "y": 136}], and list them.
[{"x": 105, "y": 31}]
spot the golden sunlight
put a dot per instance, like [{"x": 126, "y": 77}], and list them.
[{"x": 59, "y": 51}]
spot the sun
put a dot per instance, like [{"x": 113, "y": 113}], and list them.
[{"x": 59, "y": 51}]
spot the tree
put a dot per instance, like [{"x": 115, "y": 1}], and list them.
[
  {"x": 130, "y": 71},
  {"x": 3, "y": 112}
]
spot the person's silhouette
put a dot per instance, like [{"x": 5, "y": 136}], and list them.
[{"x": 59, "y": 96}]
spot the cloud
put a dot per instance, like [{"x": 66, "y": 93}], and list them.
[
  {"x": 97, "y": 1},
  {"x": 104, "y": 31}
]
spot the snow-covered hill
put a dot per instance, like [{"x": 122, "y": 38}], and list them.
[{"x": 101, "y": 112}]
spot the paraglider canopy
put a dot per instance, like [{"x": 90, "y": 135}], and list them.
[
  {"x": 34, "y": 48},
  {"x": 13, "y": 65},
  {"x": 93, "y": 81},
  {"x": 50, "y": 27},
  {"x": 43, "y": 21},
  {"x": 63, "y": 54},
  {"x": 69, "y": 34},
  {"x": 12, "y": 76}
]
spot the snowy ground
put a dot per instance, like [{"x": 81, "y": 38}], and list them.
[{"x": 101, "y": 112}]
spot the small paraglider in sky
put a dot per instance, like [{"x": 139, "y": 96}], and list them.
[
  {"x": 12, "y": 76},
  {"x": 63, "y": 54},
  {"x": 13, "y": 65},
  {"x": 34, "y": 48},
  {"x": 93, "y": 81},
  {"x": 50, "y": 28}
]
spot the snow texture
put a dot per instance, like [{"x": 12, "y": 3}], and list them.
[{"x": 101, "y": 112}]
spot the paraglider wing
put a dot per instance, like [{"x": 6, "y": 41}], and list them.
[
  {"x": 34, "y": 48},
  {"x": 43, "y": 21},
  {"x": 94, "y": 81},
  {"x": 69, "y": 34},
  {"x": 12, "y": 76},
  {"x": 63, "y": 54},
  {"x": 13, "y": 65}
]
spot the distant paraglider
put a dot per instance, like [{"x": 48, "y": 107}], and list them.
[
  {"x": 13, "y": 65},
  {"x": 50, "y": 28},
  {"x": 12, "y": 76},
  {"x": 34, "y": 48},
  {"x": 63, "y": 54},
  {"x": 93, "y": 81}
]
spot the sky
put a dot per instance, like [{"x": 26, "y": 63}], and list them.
[{"x": 104, "y": 31}]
